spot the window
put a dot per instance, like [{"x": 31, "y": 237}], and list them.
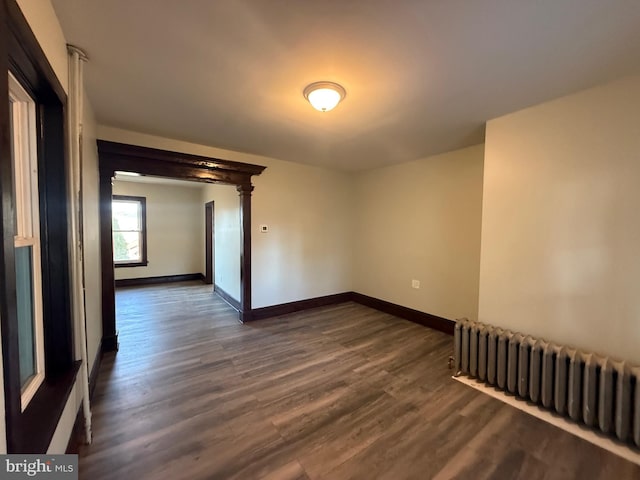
[
  {"x": 38, "y": 363},
  {"x": 26, "y": 240},
  {"x": 129, "y": 231}
]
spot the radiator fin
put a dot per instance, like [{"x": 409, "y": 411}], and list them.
[
  {"x": 501, "y": 370},
  {"x": 623, "y": 401},
  {"x": 561, "y": 379},
  {"x": 590, "y": 390},
  {"x": 548, "y": 374},
  {"x": 535, "y": 372},
  {"x": 524, "y": 361},
  {"x": 483, "y": 335},
  {"x": 600, "y": 392},
  {"x": 574, "y": 388},
  {"x": 473, "y": 350},
  {"x": 492, "y": 364}
]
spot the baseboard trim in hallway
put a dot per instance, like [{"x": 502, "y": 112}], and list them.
[
  {"x": 235, "y": 304},
  {"x": 93, "y": 376},
  {"x": 606, "y": 443},
  {"x": 300, "y": 305},
  {"x": 135, "y": 282},
  {"x": 416, "y": 316}
]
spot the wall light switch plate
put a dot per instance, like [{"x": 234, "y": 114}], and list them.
[
  {"x": 264, "y": 228},
  {"x": 415, "y": 283}
]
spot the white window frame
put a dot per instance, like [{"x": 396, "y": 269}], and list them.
[{"x": 25, "y": 156}]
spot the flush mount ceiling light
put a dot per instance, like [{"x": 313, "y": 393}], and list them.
[{"x": 324, "y": 96}]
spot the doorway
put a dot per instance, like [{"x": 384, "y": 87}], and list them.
[
  {"x": 115, "y": 157},
  {"x": 209, "y": 242}
]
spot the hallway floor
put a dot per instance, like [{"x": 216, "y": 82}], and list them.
[{"x": 333, "y": 393}]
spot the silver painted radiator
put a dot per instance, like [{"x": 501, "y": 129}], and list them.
[{"x": 599, "y": 392}]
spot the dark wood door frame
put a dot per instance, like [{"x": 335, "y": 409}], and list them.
[
  {"x": 209, "y": 239},
  {"x": 163, "y": 163}
]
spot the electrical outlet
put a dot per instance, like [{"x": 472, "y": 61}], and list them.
[{"x": 415, "y": 283}]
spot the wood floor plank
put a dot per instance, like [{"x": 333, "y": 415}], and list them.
[{"x": 338, "y": 392}]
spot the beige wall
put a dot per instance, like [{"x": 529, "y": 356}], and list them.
[
  {"x": 307, "y": 252},
  {"x": 561, "y": 229},
  {"x": 174, "y": 229},
  {"x": 227, "y": 236},
  {"x": 421, "y": 220},
  {"x": 43, "y": 21},
  {"x": 91, "y": 234}
]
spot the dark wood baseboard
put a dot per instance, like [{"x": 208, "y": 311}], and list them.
[
  {"x": 226, "y": 297},
  {"x": 245, "y": 315},
  {"x": 415, "y": 316},
  {"x": 93, "y": 376},
  {"x": 109, "y": 343},
  {"x": 291, "y": 307},
  {"x": 135, "y": 282}
]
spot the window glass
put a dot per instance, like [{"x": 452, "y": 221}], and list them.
[
  {"x": 127, "y": 231},
  {"x": 25, "y": 307},
  {"x": 126, "y": 215}
]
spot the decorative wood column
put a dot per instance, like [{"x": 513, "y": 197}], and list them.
[
  {"x": 109, "y": 334},
  {"x": 245, "y": 251}
]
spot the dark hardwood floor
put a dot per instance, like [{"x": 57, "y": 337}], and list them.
[{"x": 334, "y": 393}]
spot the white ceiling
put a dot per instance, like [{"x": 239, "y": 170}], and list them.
[{"x": 422, "y": 76}]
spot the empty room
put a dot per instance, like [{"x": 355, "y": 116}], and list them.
[{"x": 320, "y": 240}]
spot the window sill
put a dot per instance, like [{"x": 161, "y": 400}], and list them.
[
  {"x": 132, "y": 264},
  {"x": 39, "y": 421}
]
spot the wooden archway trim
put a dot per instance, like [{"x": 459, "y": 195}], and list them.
[{"x": 115, "y": 157}]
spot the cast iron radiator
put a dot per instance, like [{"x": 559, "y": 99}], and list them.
[{"x": 599, "y": 392}]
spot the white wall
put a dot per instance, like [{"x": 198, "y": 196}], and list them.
[
  {"x": 560, "y": 228},
  {"x": 174, "y": 229},
  {"x": 307, "y": 252},
  {"x": 421, "y": 220},
  {"x": 227, "y": 236}
]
